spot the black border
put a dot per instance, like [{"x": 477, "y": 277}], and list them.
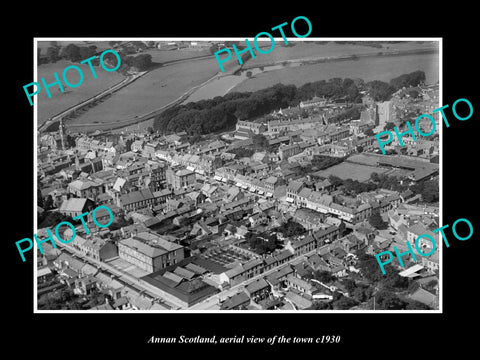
[{"x": 361, "y": 333}]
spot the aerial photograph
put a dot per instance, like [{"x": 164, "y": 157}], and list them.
[{"x": 289, "y": 178}]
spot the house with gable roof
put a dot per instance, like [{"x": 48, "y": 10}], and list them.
[
  {"x": 75, "y": 206},
  {"x": 149, "y": 251}
]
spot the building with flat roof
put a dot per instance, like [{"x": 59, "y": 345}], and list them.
[
  {"x": 180, "y": 178},
  {"x": 149, "y": 251},
  {"x": 136, "y": 200}
]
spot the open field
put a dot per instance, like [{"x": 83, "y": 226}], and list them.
[
  {"x": 217, "y": 87},
  {"x": 317, "y": 49},
  {"x": 368, "y": 69},
  {"x": 167, "y": 84},
  {"x": 71, "y": 96},
  {"x": 152, "y": 91},
  {"x": 365, "y": 159},
  {"x": 134, "y": 128},
  {"x": 101, "y": 45},
  {"x": 347, "y": 170},
  {"x": 161, "y": 56}
]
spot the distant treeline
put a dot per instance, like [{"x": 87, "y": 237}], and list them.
[
  {"x": 382, "y": 91},
  {"x": 375, "y": 44},
  {"x": 221, "y": 113},
  {"x": 75, "y": 53}
]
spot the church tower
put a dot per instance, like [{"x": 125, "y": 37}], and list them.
[{"x": 61, "y": 129}]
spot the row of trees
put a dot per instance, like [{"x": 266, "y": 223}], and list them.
[
  {"x": 221, "y": 113},
  {"x": 242, "y": 152},
  {"x": 52, "y": 218},
  {"x": 382, "y": 91},
  {"x": 377, "y": 222},
  {"x": 384, "y": 288},
  {"x": 349, "y": 114},
  {"x": 291, "y": 228},
  {"x": 389, "y": 285},
  {"x": 388, "y": 182},
  {"x": 352, "y": 187},
  {"x": 75, "y": 53},
  {"x": 321, "y": 162},
  {"x": 428, "y": 189},
  {"x": 368, "y": 265},
  {"x": 71, "y": 52},
  {"x": 262, "y": 243}
]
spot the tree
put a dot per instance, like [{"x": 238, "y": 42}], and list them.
[
  {"x": 70, "y": 141},
  {"x": 111, "y": 61},
  {"x": 323, "y": 162},
  {"x": 71, "y": 52},
  {"x": 40, "y": 60},
  {"x": 369, "y": 268},
  {"x": 379, "y": 90},
  {"x": 393, "y": 281},
  {"x": 262, "y": 243},
  {"x": 406, "y": 80},
  {"x": 48, "y": 203},
  {"x": 374, "y": 177},
  {"x": 344, "y": 303},
  {"x": 351, "y": 113},
  {"x": 413, "y": 286},
  {"x": 53, "y": 54},
  {"x": 242, "y": 152},
  {"x": 128, "y": 144},
  {"x": 321, "y": 305},
  {"x": 213, "y": 49},
  {"x": 86, "y": 52},
  {"x": 417, "y": 305},
  {"x": 291, "y": 228},
  {"x": 260, "y": 142},
  {"x": 39, "y": 198},
  {"x": 369, "y": 132},
  {"x": 413, "y": 93},
  {"x": 362, "y": 293},
  {"x": 249, "y": 74},
  {"x": 428, "y": 189},
  {"x": 377, "y": 222},
  {"x": 389, "y": 126},
  {"x": 324, "y": 276},
  {"x": 387, "y": 300},
  {"x": 52, "y": 218},
  {"x": 335, "y": 180},
  {"x": 349, "y": 284},
  {"x": 431, "y": 285},
  {"x": 142, "y": 62},
  {"x": 220, "y": 114}
]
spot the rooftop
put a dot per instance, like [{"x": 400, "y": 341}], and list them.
[{"x": 73, "y": 204}]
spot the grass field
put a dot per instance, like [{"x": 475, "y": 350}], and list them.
[
  {"x": 166, "y": 84},
  {"x": 160, "y": 56},
  {"x": 134, "y": 128},
  {"x": 374, "y": 68},
  {"x": 365, "y": 158},
  {"x": 217, "y": 87},
  {"x": 150, "y": 92},
  {"x": 315, "y": 49},
  {"x": 71, "y": 96},
  {"x": 347, "y": 170},
  {"x": 101, "y": 45}
]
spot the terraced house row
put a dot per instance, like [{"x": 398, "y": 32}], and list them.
[{"x": 293, "y": 249}]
